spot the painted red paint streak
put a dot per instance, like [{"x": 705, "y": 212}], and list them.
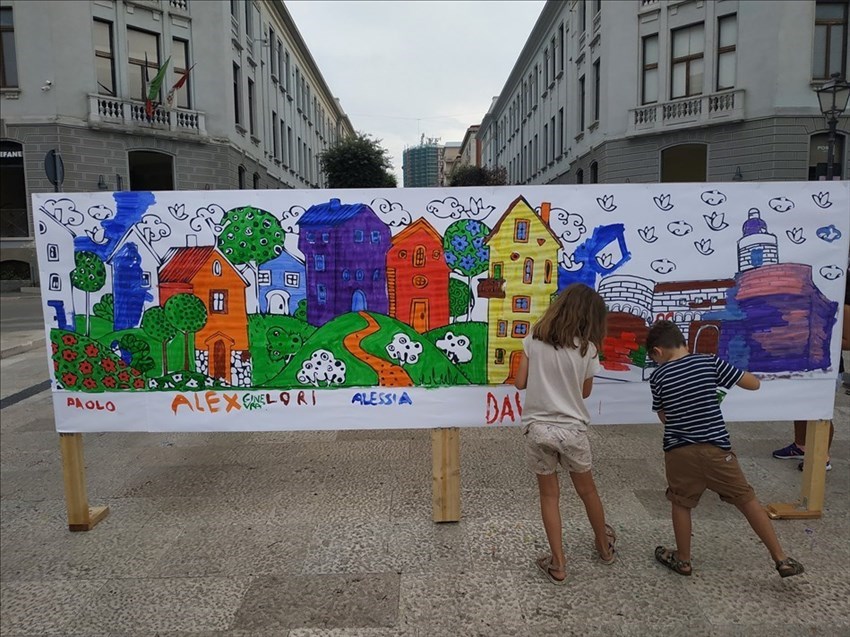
[{"x": 616, "y": 351}]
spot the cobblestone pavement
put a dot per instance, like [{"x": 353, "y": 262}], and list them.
[{"x": 329, "y": 533}]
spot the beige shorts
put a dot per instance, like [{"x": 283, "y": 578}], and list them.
[
  {"x": 547, "y": 446},
  {"x": 694, "y": 468}
]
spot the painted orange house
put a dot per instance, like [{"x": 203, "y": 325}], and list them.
[
  {"x": 221, "y": 346},
  {"x": 418, "y": 278}
]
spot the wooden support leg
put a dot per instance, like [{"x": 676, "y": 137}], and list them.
[
  {"x": 810, "y": 504},
  {"x": 445, "y": 446},
  {"x": 81, "y": 517}
]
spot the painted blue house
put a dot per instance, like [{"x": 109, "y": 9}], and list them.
[
  {"x": 281, "y": 284},
  {"x": 345, "y": 257},
  {"x": 134, "y": 267}
]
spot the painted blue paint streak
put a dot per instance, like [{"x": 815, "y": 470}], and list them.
[
  {"x": 128, "y": 294},
  {"x": 586, "y": 254},
  {"x": 130, "y": 206},
  {"x": 59, "y": 309}
]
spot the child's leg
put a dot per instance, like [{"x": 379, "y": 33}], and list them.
[
  {"x": 550, "y": 510},
  {"x": 682, "y": 530},
  {"x": 761, "y": 524},
  {"x": 586, "y": 490}
]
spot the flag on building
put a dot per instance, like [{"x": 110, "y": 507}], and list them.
[
  {"x": 155, "y": 86},
  {"x": 177, "y": 86}
]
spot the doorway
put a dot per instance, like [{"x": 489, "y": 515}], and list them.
[
  {"x": 684, "y": 163},
  {"x": 419, "y": 315},
  {"x": 277, "y": 302},
  {"x": 358, "y": 301}
]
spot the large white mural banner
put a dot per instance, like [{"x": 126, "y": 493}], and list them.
[{"x": 312, "y": 309}]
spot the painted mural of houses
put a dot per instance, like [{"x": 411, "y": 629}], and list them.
[
  {"x": 221, "y": 346},
  {"x": 57, "y": 257},
  {"x": 418, "y": 278},
  {"x": 523, "y": 254},
  {"x": 281, "y": 284},
  {"x": 134, "y": 278},
  {"x": 345, "y": 248}
]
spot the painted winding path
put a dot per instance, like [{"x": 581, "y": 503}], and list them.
[{"x": 389, "y": 374}]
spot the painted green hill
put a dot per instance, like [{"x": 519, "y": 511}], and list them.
[{"x": 476, "y": 369}]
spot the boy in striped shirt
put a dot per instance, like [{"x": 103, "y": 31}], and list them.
[{"x": 698, "y": 454}]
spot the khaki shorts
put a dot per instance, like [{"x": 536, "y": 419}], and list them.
[
  {"x": 694, "y": 468},
  {"x": 547, "y": 446}
]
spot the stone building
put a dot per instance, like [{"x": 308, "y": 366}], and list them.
[{"x": 254, "y": 110}]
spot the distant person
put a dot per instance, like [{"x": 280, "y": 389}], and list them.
[
  {"x": 797, "y": 449},
  {"x": 559, "y": 361},
  {"x": 697, "y": 452}
]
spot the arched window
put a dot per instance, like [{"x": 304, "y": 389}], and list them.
[
  {"x": 13, "y": 201},
  {"x": 15, "y": 270},
  {"x": 594, "y": 173},
  {"x": 242, "y": 177},
  {"x": 150, "y": 170},
  {"x": 547, "y": 271},
  {"x": 818, "y": 156},
  {"x": 256, "y": 181},
  {"x": 216, "y": 268},
  {"x": 528, "y": 270},
  {"x": 419, "y": 257},
  {"x": 579, "y": 176},
  {"x": 684, "y": 163}
]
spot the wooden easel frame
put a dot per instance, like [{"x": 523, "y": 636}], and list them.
[
  {"x": 81, "y": 517},
  {"x": 810, "y": 504}
]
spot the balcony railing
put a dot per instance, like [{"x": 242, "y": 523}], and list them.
[
  {"x": 703, "y": 110},
  {"x": 131, "y": 114}
]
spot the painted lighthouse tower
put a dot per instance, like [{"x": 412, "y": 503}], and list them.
[{"x": 757, "y": 247}]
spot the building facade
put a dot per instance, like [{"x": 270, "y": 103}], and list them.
[
  {"x": 671, "y": 90},
  {"x": 253, "y": 110},
  {"x": 422, "y": 165}
]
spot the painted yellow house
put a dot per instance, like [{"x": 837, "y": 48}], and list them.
[{"x": 523, "y": 278}]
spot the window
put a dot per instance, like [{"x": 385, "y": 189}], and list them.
[
  {"x": 579, "y": 176},
  {"x": 358, "y": 236},
  {"x": 292, "y": 279},
  {"x": 104, "y": 58},
  {"x": 582, "y": 15},
  {"x": 500, "y": 354},
  {"x": 321, "y": 293},
  {"x": 320, "y": 262},
  {"x": 582, "y": 99},
  {"x": 376, "y": 236},
  {"x": 687, "y": 74},
  {"x": 830, "y": 53},
  {"x": 256, "y": 181},
  {"x": 55, "y": 284},
  {"x": 649, "y": 85},
  {"x": 684, "y": 163},
  {"x": 326, "y": 237},
  {"x": 234, "y": 10},
  {"x": 264, "y": 277},
  {"x": 727, "y": 37},
  {"x": 146, "y": 280},
  {"x": 143, "y": 59},
  {"x": 419, "y": 257},
  {"x": 358, "y": 274},
  {"x": 241, "y": 173},
  {"x": 251, "y": 116},
  {"x": 284, "y": 158},
  {"x": 286, "y": 71},
  {"x": 275, "y": 143},
  {"x": 502, "y": 329},
  {"x": 594, "y": 172},
  {"x": 497, "y": 270},
  {"x": 528, "y": 270},
  {"x": 547, "y": 272},
  {"x": 596, "y": 92},
  {"x": 346, "y": 275},
  {"x": 546, "y": 144},
  {"x": 561, "y": 131},
  {"x": 522, "y": 304},
  {"x": 52, "y": 252},
  {"x": 818, "y": 158},
  {"x": 290, "y": 158},
  {"x": 249, "y": 23},
  {"x": 519, "y": 329},
  {"x": 552, "y": 139},
  {"x": 216, "y": 267},
  {"x": 561, "y": 48},
  {"x": 180, "y": 59},
  {"x": 546, "y": 76},
  {"x": 218, "y": 301},
  {"x": 150, "y": 170},
  {"x": 273, "y": 44},
  {"x": 237, "y": 95},
  {"x": 8, "y": 56},
  {"x": 521, "y": 230}
]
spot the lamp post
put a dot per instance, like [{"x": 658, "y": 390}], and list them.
[{"x": 833, "y": 96}]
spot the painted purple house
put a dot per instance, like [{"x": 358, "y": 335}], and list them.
[{"x": 345, "y": 249}]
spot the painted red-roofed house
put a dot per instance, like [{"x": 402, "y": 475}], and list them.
[
  {"x": 418, "y": 278},
  {"x": 221, "y": 346}
]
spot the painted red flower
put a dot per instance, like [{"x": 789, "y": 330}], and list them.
[
  {"x": 108, "y": 364},
  {"x": 139, "y": 383},
  {"x": 92, "y": 350},
  {"x": 55, "y": 348},
  {"x": 69, "y": 379},
  {"x": 124, "y": 386},
  {"x": 124, "y": 377},
  {"x": 135, "y": 372},
  {"x": 109, "y": 381},
  {"x": 55, "y": 366},
  {"x": 69, "y": 355},
  {"x": 122, "y": 364},
  {"x": 85, "y": 367},
  {"x": 69, "y": 339},
  {"x": 90, "y": 383}
]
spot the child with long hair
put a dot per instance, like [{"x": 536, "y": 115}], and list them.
[{"x": 560, "y": 358}]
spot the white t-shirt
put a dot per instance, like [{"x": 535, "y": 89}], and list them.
[{"x": 555, "y": 380}]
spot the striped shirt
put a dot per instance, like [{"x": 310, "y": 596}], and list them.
[{"x": 686, "y": 390}]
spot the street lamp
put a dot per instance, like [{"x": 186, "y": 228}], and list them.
[{"x": 833, "y": 95}]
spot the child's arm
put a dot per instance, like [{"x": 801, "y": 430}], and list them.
[
  {"x": 587, "y": 387},
  {"x": 521, "y": 378},
  {"x": 662, "y": 416},
  {"x": 748, "y": 381}
]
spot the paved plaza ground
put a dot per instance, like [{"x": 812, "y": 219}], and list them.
[{"x": 329, "y": 533}]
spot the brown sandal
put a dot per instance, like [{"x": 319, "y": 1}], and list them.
[
  {"x": 612, "y": 541},
  {"x": 545, "y": 565},
  {"x": 788, "y": 567},
  {"x": 668, "y": 558}
]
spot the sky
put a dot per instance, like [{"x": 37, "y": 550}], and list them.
[{"x": 402, "y": 69}]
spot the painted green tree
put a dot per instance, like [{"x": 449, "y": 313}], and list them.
[
  {"x": 89, "y": 275},
  {"x": 156, "y": 325},
  {"x": 460, "y": 296},
  {"x": 465, "y": 250},
  {"x": 186, "y": 312},
  {"x": 250, "y": 236},
  {"x": 140, "y": 352},
  {"x": 105, "y": 308},
  {"x": 283, "y": 344}
]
